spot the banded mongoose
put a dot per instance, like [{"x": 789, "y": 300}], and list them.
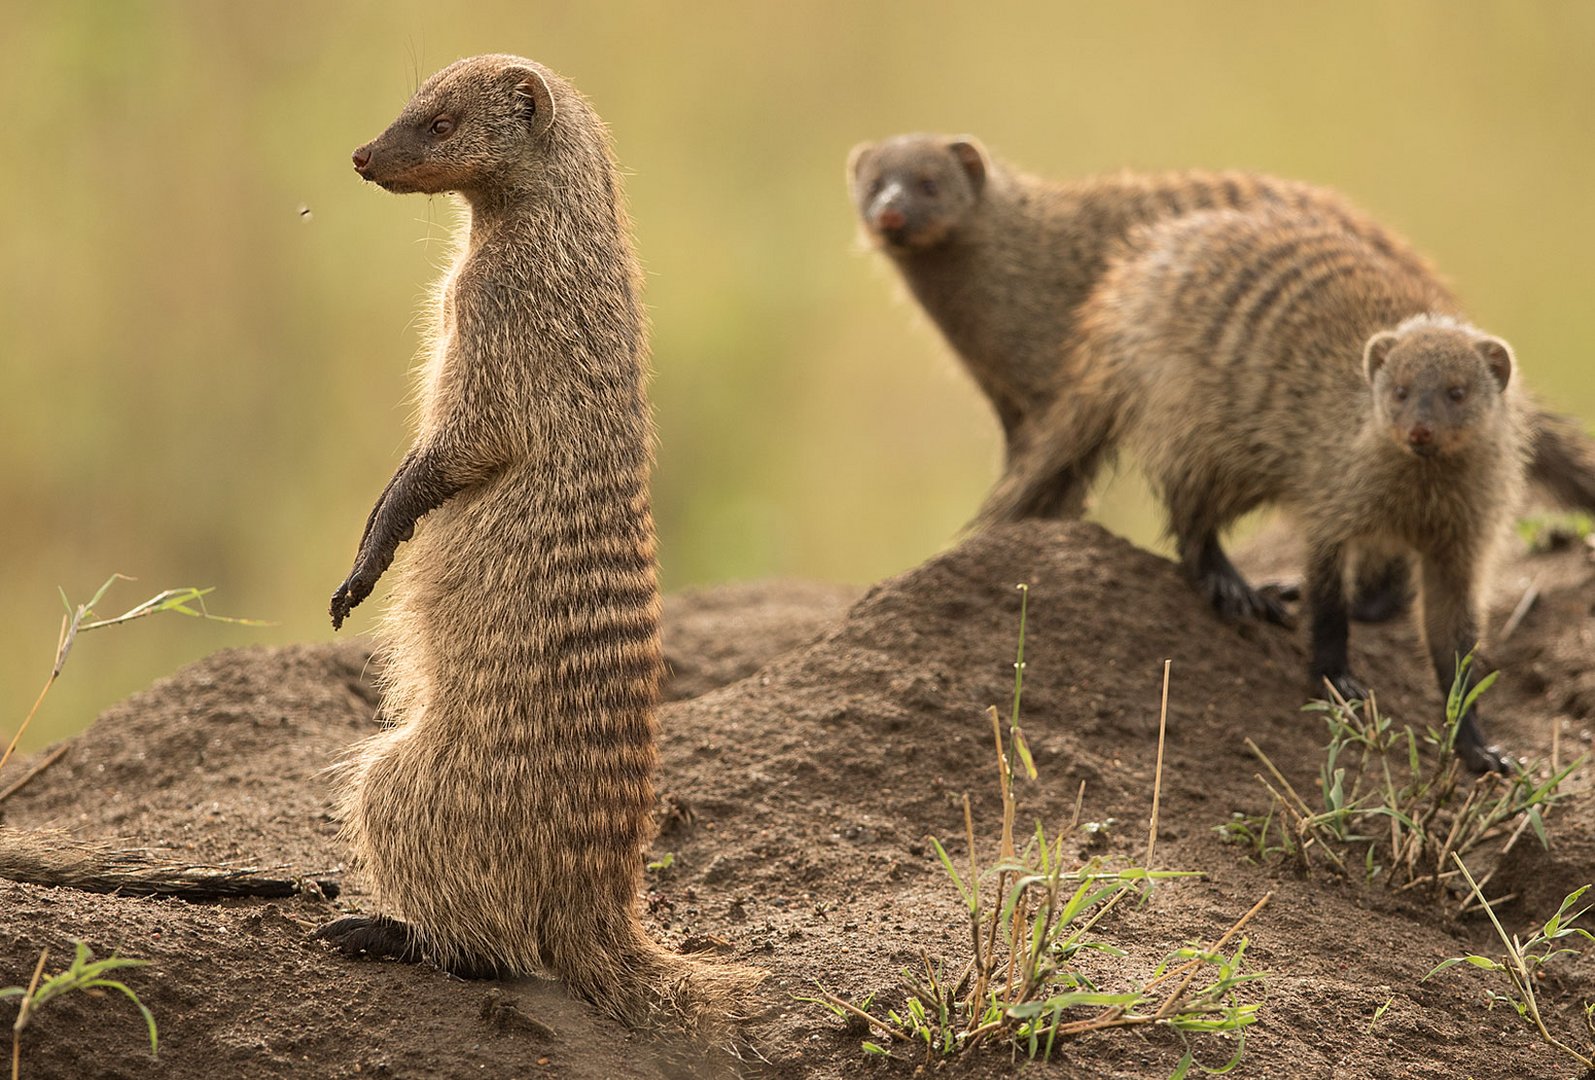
[
  {"x": 1256, "y": 359},
  {"x": 502, "y": 821},
  {"x": 1001, "y": 260}
]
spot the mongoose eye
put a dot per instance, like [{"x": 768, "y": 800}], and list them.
[
  {"x": 1399, "y": 393},
  {"x": 441, "y": 127},
  {"x": 1457, "y": 393},
  {"x": 928, "y": 186},
  {"x": 877, "y": 187}
]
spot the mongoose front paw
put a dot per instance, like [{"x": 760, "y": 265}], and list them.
[
  {"x": 1346, "y": 686},
  {"x": 347, "y": 597},
  {"x": 1482, "y": 759},
  {"x": 1237, "y": 601}
]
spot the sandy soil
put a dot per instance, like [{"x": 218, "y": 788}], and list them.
[{"x": 812, "y": 741}]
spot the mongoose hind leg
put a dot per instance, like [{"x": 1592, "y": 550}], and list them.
[
  {"x": 378, "y": 937},
  {"x": 1216, "y": 578}
]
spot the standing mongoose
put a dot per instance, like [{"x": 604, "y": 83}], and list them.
[
  {"x": 1002, "y": 260},
  {"x": 502, "y": 821},
  {"x": 1255, "y": 359}
]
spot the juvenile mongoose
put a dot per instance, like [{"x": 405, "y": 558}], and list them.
[
  {"x": 502, "y": 821},
  {"x": 1001, "y": 260},
  {"x": 1256, "y": 359}
]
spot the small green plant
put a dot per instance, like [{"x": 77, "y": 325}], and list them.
[
  {"x": 1378, "y": 1014},
  {"x": 1031, "y": 919},
  {"x": 1523, "y": 960},
  {"x": 83, "y": 618},
  {"x": 663, "y": 863},
  {"x": 86, "y": 975},
  {"x": 1394, "y": 803}
]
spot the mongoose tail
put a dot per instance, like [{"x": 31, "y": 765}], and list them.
[
  {"x": 56, "y": 858},
  {"x": 1563, "y": 464},
  {"x": 641, "y": 984}
]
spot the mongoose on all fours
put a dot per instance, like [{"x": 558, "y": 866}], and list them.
[
  {"x": 1255, "y": 359},
  {"x": 502, "y": 821},
  {"x": 1001, "y": 261}
]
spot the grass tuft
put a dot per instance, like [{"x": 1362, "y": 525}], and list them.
[
  {"x": 1395, "y": 804},
  {"x": 83, "y": 618},
  {"x": 84, "y": 975},
  {"x": 1032, "y": 919},
  {"x": 1524, "y": 960}
]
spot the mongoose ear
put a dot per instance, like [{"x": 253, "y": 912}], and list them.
[
  {"x": 1498, "y": 355},
  {"x": 536, "y": 99},
  {"x": 856, "y": 158},
  {"x": 1374, "y": 353},
  {"x": 972, "y": 157}
]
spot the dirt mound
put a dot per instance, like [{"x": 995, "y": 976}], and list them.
[{"x": 799, "y": 800}]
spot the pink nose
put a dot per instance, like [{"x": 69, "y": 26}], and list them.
[
  {"x": 890, "y": 218},
  {"x": 361, "y": 158},
  {"x": 1420, "y": 435}
]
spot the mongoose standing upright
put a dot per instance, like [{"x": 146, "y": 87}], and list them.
[
  {"x": 502, "y": 821},
  {"x": 1273, "y": 359},
  {"x": 1002, "y": 260}
]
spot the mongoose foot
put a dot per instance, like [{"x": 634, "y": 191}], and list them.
[
  {"x": 1484, "y": 759},
  {"x": 1346, "y": 686},
  {"x": 1234, "y": 599},
  {"x": 373, "y": 937},
  {"x": 381, "y": 938}
]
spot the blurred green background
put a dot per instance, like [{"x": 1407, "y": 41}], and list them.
[{"x": 202, "y": 385}]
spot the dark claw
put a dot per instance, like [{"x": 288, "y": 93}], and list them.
[
  {"x": 354, "y": 589},
  {"x": 376, "y": 938},
  {"x": 1346, "y": 686},
  {"x": 1234, "y": 599},
  {"x": 381, "y": 938},
  {"x": 1482, "y": 759},
  {"x": 339, "y": 608},
  {"x": 1288, "y": 591}
]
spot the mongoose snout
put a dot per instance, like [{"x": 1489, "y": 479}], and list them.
[
  {"x": 362, "y": 159},
  {"x": 1421, "y": 439},
  {"x": 887, "y": 218}
]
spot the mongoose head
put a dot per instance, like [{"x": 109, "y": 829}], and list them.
[
  {"x": 1436, "y": 382},
  {"x": 477, "y": 125},
  {"x": 912, "y": 191}
]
